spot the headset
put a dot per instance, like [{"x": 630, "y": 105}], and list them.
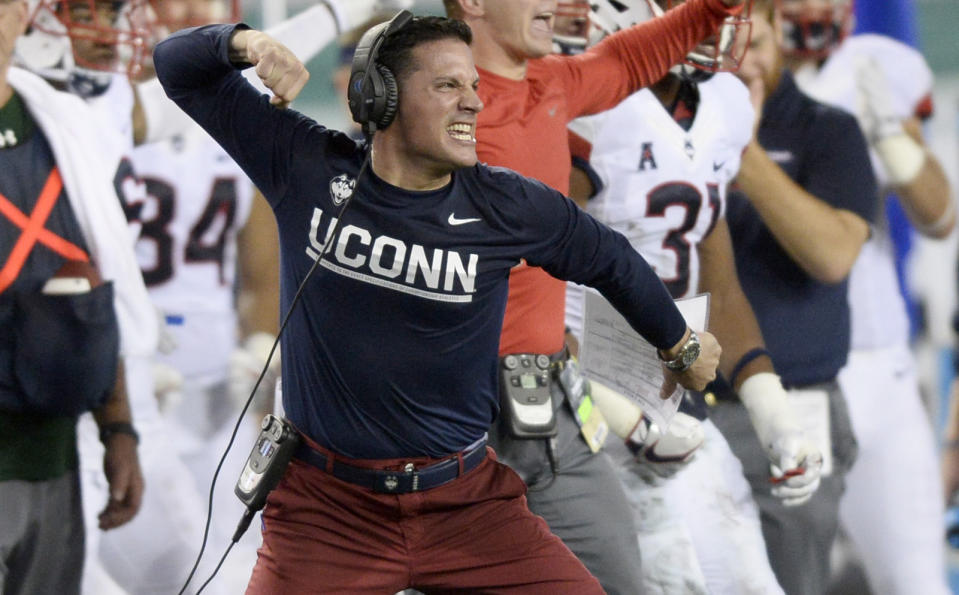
[{"x": 372, "y": 92}]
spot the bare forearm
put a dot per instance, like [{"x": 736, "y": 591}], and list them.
[
  {"x": 259, "y": 250},
  {"x": 925, "y": 195},
  {"x": 822, "y": 240},
  {"x": 117, "y": 407},
  {"x": 928, "y": 200},
  {"x": 732, "y": 319},
  {"x": 736, "y": 328}
]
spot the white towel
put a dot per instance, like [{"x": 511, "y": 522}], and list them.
[{"x": 87, "y": 165}]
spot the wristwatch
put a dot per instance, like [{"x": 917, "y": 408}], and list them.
[{"x": 687, "y": 354}]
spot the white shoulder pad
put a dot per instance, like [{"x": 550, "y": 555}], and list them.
[{"x": 733, "y": 97}]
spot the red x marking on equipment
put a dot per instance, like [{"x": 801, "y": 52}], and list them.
[{"x": 34, "y": 231}]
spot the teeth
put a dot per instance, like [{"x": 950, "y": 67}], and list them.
[{"x": 461, "y": 131}]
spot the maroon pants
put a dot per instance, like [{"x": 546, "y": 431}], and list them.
[{"x": 472, "y": 535}]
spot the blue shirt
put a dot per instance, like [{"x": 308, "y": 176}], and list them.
[
  {"x": 805, "y": 323},
  {"x": 391, "y": 351}
]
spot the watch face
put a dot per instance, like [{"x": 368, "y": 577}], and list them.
[
  {"x": 690, "y": 353},
  {"x": 687, "y": 355}
]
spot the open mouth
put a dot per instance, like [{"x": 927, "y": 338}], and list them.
[
  {"x": 543, "y": 23},
  {"x": 461, "y": 132}
]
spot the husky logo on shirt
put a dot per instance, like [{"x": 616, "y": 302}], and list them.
[
  {"x": 341, "y": 187},
  {"x": 391, "y": 263}
]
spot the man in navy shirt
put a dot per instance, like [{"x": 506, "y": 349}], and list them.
[
  {"x": 389, "y": 368},
  {"x": 806, "y": 195}
]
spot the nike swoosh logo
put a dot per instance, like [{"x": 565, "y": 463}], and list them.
[
  {"x": 718, "y": 166},
  {"x": 454, "y": 221}
]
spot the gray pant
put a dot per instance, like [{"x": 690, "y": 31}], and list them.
[
  {"x": 41, "y": 536},
  {"x": 585, "y": 505},
  {"x": 798, "y": 539}
]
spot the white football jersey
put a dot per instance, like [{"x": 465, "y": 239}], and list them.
[
  {"x": 116, "y": 106},
  {"x": 665, "y": 187},
  {"x": 879, "y": 317},
  {"x": 197, "y": 201}
]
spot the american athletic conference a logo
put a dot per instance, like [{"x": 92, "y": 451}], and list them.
[{"x": 341, "y": 187}]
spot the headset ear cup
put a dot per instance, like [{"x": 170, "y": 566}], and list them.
[{"x": 390, "y": 97}]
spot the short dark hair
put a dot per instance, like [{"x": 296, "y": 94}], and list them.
[{"x": 396, "y": 53}]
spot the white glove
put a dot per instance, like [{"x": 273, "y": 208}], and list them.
[
  {"x": 795, "y": 462},
  {"x": 802, "y": 462},
  {"x": 665, "y": 453},
  {"x": 901, "y": 155},
  {"x": 246, "y": 364},
  {"x": 167, "y": 382}
]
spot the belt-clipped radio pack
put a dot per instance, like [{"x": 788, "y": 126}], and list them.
[
  {"x": 524, "y": 394},
  {"x": 272, "y": 451}
]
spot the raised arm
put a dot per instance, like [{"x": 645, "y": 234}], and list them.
[
  {"x": 640, "y": 55},
  {"x": 306, "y": 34},
  {"x": 198, "y": 69},
  {"x": 913, "y": 171}
]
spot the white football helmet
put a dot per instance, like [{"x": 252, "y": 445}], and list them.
[
  {"x": 814, "y": 28},
  {"x": 721, "y": 53},
  {"x": 82, "y": 42}
]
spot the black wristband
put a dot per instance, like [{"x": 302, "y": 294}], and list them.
[
  {"x": 118, "y": 427},
  {"x": 747, "y": 357}
]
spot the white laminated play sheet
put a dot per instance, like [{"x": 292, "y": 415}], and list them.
[{"x": 613, "y": 353}]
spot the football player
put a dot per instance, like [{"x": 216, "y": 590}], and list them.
[
  {"x": 663, "y": 159},
  {"x": 896, "y": 527}
]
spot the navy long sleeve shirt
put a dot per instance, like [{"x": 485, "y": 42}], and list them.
[{"x": 391, "y": 350}]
